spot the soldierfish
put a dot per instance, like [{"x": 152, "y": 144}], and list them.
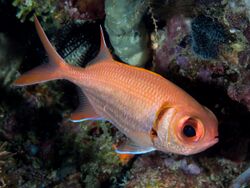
[{"x": 151, "y": 111}]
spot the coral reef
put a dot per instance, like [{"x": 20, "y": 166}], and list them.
[
  {"x": 165, "y": 53},
  {"x": 60, "y": 9},
  {"x": 240, "y": 91},
  {"x": 203, "y": 46},
  {"x": 93, "y": 151}
]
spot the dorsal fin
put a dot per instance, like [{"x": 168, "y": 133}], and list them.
[
  {"x": 84, "y": 111},
  {"x": 104, "y": 54}
]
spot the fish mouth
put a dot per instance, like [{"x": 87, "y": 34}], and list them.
[
  {"x": 204, "y": 147},
  {"x": 214, "y": 141}
]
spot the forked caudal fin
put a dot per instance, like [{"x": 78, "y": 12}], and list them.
[
  {"x": 50, "y": 71},
  {"x": 56, "y": 68}
]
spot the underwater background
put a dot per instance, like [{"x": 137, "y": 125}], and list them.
[{"x": 202, "y": 46}]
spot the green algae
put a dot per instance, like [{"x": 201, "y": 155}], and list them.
[{"x": 47, "y": 9}]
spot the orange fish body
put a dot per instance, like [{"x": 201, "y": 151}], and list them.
[{"x": 150, "y": 110}]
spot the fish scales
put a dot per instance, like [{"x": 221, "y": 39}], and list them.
[
  {"x": 129, "y": 100},
  {"x": 135, "y": 92},
  {"x": 118, "y": 115},
  {"x": 139, "y": 87}
]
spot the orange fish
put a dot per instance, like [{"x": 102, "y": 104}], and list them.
[{"x": 152, "y": 112}]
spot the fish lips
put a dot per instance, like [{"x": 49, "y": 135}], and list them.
[
  {"x": 212, "y": 142},
  {"x": 206, "y": 145}
]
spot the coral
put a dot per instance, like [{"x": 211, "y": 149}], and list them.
[
  {"x": 174, "y": 33},
  {"x": 240, "y": 91},
  {"x": 60, "y": 9},
  {"x": 81, "y": 155},
  {"x": 97, "y": 159},
  {"x": 87, "y": 9},
  {"x": 192, "y": 168},
  {"x": 45, "y": 9},
  {"x": 207, "y": 35},
  {"x": 210, "y": 47},
  {"x": 128, "y": 35},
  {"x": 172, "y": 171}
]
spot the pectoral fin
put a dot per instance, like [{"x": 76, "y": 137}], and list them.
[
  {"x": 85, "y": 111},
  {"x": 130, "y": 147}
]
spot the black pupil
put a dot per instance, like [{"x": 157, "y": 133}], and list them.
[{"x": 189, "y": 131}]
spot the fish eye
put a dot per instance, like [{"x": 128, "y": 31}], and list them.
[{"x": 189, "y": 130}]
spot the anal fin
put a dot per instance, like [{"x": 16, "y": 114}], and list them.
[
  {"x": 130, "y": 147},
  {"x": 85, "y": 111},
  {"x": 125, "y": 158}
]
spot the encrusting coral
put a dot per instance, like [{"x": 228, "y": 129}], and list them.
[
  {"x": 207, "y": 35},
  {"x": 205, "y": 47}
]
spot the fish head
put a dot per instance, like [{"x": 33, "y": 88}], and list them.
[{"x": 186, "y": 130}]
